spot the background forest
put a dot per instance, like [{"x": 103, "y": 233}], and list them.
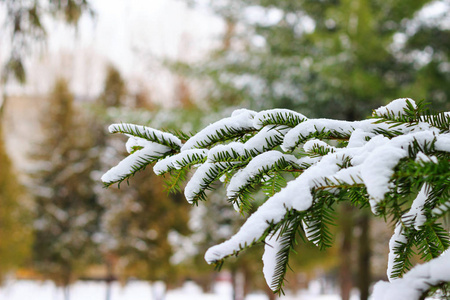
[{"x": 330, "y": 59}]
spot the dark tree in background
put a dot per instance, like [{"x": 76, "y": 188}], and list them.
[
  {"x": 21, "y": 32},
  {"x": 15, "y": 216},
  {"x": 138, "y": 218},
  {"x": 67, "y": 212}
]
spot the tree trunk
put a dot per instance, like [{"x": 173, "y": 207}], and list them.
[
  {"x": 345, "y": 271},
  {"x": 3, "y": 101},
  {"x": 238, "y": 281},
  {"x": 108, "y": 290},
  {"x": 270, "y": 294},
  {"x": 66, "y": 292},
  {"x": 364, "y": 253},
  {"x": 109, "y": 279}
]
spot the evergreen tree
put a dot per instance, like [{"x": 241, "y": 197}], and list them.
[
  {"x": 15, "y": 215},
  {"x": 395, "y": 164},
  {"x": 138, "y": 220},
  {"x": 67, "y": 212}
]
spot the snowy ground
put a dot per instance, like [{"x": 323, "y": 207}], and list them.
[{"x": 137, "y": 290}]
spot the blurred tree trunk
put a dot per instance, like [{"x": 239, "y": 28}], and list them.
[
  {"x": 345, "y": 271},
  {"x": 66, "y": 292},
  {"x": 270, "y": 294},
  {"x": 364, "y": 254},
  {"x": 3, "y": 101},
  {"x": 238, "y": 280},
  {"x": 109, "y": 278}
]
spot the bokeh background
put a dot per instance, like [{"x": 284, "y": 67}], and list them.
[{"x": 69, "y": 68}]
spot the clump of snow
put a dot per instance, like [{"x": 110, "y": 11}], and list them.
[
  {"x": 264, "y": 161},
  {"x": 377, "y": 170},
  {"x": 134, "y": 142},
  {"x": 395, "y": 108},
  {"x": 266, "y": 139},
  {"x": 309, "y": 232},
  {"x": 443, "y": 142},
  {"x": 233, "y": 150},
  {"x": 286, "y": 114},
  {"x": 315, "y": 143},
  {"x": 271, "y": 248},
  {"x": 416, "y": 217},
  {"x": 358, "y": 138},
  {"x": 415, "y": 282},
  {"x": 423, "y": 158},
  {"x": 304, "y": 129},
  {"x": 126, "y": 166},
  {"x": 240, "y": 120},
  {"x": 179, "y": 160},
  {"x": 397, "y": 240},
  {"x": 146, "y": 132},
  {"x": 379, "y": 165}
]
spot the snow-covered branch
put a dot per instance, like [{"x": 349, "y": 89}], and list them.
[{"x": 401, "y": 149}]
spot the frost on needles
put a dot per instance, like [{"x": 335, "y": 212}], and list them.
[{"x": 306, "y": 167}]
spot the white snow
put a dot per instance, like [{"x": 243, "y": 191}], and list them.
[
  {"x": 263, "y": 161},
  {"x": 197, "y": 182},
  {"x": 397, "y": 239},
  {"x": 377, "y": 170},
  {"x": 179, "y": 160},
  {"x": 395, "y": 107},
  {"x": 287, "y": 114},
  {"x": 146, "y": 132},
  {"x": 134, "y": 142},
  {"x": 271, "y": 248},
  {"x": 240, "y": 120},
  {"x": 378, "y": 167},
  {"x": 416, "y": 217},
  {"x": 304, "y": 129},
  {"x": 267, "y": 136},
  {"x": 423, "y": 158},
  {"x": 443, "y": 142},
  {"x": 315, "y": 143},
  {"x": 233, "y": 150},
  {"x": 125, "y": 167},
  {"x": 140, "y": 290},
  {"x": 416, "y": 281}
]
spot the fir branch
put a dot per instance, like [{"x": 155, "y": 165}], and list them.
[
  {"x": 318, "y": 219},
  {"x": 286, "y": 239},
  {"x": 147, "y": 133},
  {"x": 174, "y": 181},
  {"x": 279, "y": 117}
]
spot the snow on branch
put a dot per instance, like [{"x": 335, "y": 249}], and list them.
[
  {"x": 240, "y": 122},
  {"x": 417, "y": 281},
  {"x": 148, "y": 153},
  {"x": 278, "y": 117},
  {"x": 304, "y": 167},
  {"x": 147, "y": 133}
]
